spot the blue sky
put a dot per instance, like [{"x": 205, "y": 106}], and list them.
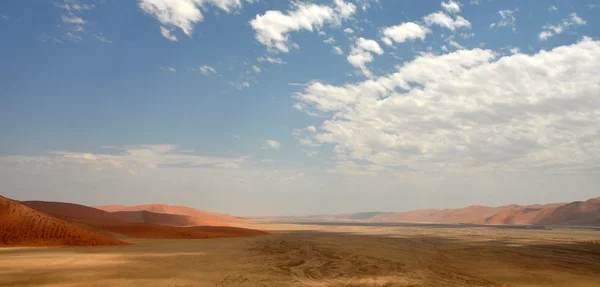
[{"x": 275, "y": 107}]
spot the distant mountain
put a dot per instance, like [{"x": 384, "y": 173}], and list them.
[{"x": 574, "y": 213}]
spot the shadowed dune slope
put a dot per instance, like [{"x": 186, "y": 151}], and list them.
[
  {"x": 136, "y": 224},
  {"x": 24, "y": 226},
  {"x": 144, "y": 216},
  {"x": 203, "y": 217},
  {"x": 578, "y": 212},
  {"x": 86, "y": 214}
]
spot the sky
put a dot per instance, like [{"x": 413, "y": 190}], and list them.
[{"x": 270, "y": 107}]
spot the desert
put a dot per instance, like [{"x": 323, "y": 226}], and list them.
[{"x": 74, "y": 245}]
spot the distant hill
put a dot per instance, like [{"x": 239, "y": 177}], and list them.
[
  {"x": 24, "y": 226},
  {"x": 574, "y": 213}
]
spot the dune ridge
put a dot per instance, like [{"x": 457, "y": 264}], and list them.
[
  {"x": 206, "y": 217},
  {"x": 24, "y": 226},
  {"x": 137, "y": 224},
  {"x": 578, "y": 212}
]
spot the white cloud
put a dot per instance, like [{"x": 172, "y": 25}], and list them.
[
  {"x": 168, "y": 69},
  {"x": 455, "y": 44},
  {"x": 74, "y": 6},
  {"x": 207, "y": 70},
  {"x": 329, "y": 40},
  {"x": 240, "y": 85},
  {"x": 567, "y": 23},
  {"x": 359, "y": 58},
  {"x": 137, "y": 157},
  {"x": 348, "y": 31},
  {"x": 273, "y": 28},
  {"x": 337, "y": 50},
  {"x": 184, "y": 14},
  {"x": 271, "y": 60},
  {"x": 469, "y": 109},
  {"x": 271, "y": 144},
  {"x": 443, "y": 20},
  {"x": 451, "y": 6},
  {"x": 102, "y": 39},
  {"x": 507, "y": 19},
  {"x": 403, "y": 32},
  {"x": 256, "y": 69},
  {"x": 167, "y": 33},
  {"x": 544, "y": 35},
  {"x": 72, "y": 20},
  {"x": 552, "y": 8},
  {"x": 369, "y": 45},
  {"x": 344, "y": 10},
  {"x": 360, "y": 54}
]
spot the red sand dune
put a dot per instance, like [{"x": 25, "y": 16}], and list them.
[
  {"x": 23, "y": 226},
  {"x": 70, "y": 211},
  {"x": 202, "y": 217},
  {"x": 137, "y": 224},
  {"x": 578, "y": 212}
]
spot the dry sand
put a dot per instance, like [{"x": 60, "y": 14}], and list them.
[{"x": 302, "y": 255}]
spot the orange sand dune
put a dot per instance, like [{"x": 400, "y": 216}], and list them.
[
  {"x": 578, "y": 212},
  {"x": 76, "y": 212},
  {"x": 202, "y": 217},
  {"x": 23, "y": 226},
  {"x": 136, "y": 224}
]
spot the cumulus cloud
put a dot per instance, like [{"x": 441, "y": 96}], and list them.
[
  {"x": 271, "y": 144},
  {"x": 403, "y": 32},
  {"x": 507, "y": 19},
  {"x": 361, "y": 54},
  {"x": 273, "y": 27},
  {"x": 567, "y": 23},
  {"x": 184, "y": 14},
  {"x": 469, "y": 109},
  {"x": 256, "y": 69},
  {"x": 451, "y": 6},
  {"x": 443, "y": 20},
  {"x": 207, "y": 70}
]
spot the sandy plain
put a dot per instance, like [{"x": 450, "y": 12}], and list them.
[{"x": 317, "y": 255}]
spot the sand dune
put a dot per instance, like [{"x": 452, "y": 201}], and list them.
[
  {"x": 136, "y": 224},
  {"x": 203, "y": 217},
  {"x": 579, "y": 212},
  {"x": 23, "y": 226}
]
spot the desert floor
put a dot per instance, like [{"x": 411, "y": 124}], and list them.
[{"x": 310, "y": 255}]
